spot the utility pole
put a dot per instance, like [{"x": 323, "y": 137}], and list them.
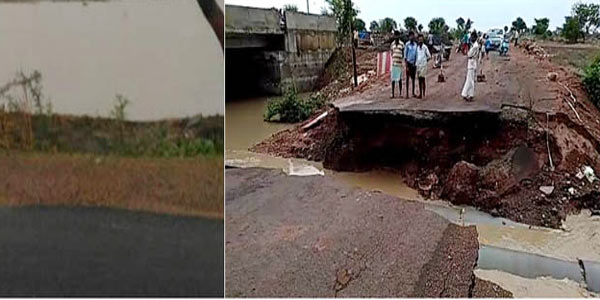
[
  {"x": 349, "y": 7},
  {"x": 307, "y": 7}
]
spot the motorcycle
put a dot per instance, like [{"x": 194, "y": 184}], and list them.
[
  {"x": 504, "y": 47},
  {"x": 441, "y": 53}
]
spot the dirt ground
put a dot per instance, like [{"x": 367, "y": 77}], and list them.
[
  {"x": 187, "y": 186},
  {"x": 523, "y": 132},
  {"x": 315, "y": 237}
]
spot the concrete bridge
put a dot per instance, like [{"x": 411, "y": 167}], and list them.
[{"x": 267, "y": 50}]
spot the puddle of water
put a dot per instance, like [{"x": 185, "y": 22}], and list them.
[
  {"x": 467, "y": 216},
  {"x": 156, "y": 53},
  {"x": 581, "y": 240},
  {"x": 526, "y": 264},
  {"x": 391, "y": 183},
  {"x": 542, "y": 287},
  {"x": 387, "y": 182}
]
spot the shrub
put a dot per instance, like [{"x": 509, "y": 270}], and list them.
[
  {"x": 591, "y": 81},
  {"x": 292, "y": 108}
]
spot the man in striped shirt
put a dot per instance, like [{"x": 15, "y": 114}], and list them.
[{"x": 397, "y": 50}]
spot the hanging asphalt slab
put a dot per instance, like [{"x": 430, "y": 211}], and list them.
[{"x": 75, "y": 251}]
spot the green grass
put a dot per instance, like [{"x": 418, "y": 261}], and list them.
[
  {"x": 575, "y": 58},
  {"x": 103, "y": 136},
  {"x": 292, "y": 108}
]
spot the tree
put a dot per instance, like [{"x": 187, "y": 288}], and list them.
[
  {"x": 460, "y": 23},
  {"x": 468, "y": 25},
  {"x": 588, "y": 16},
  {"x": 572, "y": 29},
  {"x": 344, "y": 12},
  {"x": 410, "y": 24},
  {"x": 387, "y": 25},
  {"x": 541, "y": 26},
  {"x": 290, "y": 7},
  {"x": 420, "y": 27},
  {"x": 359, "y": 25},
  {"x": 461, "y": 28},
  {"x": 437, "y": 25},
  {"x": 519, "y": 25},
  {"x": 374, "y": 27}
]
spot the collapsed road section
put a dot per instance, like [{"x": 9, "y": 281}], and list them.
[
  {"x": 526, "y": 149},
  {"x": 312, "y": 236}
]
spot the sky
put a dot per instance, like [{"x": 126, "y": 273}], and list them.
[{"x": 486, "y": 14}]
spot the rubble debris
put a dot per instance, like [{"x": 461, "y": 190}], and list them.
[
  {"x": 572, "y": 191},
  {"x": 547, "y": 190},
  {"x": 589, "y": 173},
  {"x": 315, "y": 121},
  {"x": 532, "y": 48}
]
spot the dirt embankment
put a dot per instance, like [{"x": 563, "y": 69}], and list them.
[
  {"x": 179, "y": 186},
  {"x": 525, "y": 165}
]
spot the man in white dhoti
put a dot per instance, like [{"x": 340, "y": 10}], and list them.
[{"x": 474, "y": 55}]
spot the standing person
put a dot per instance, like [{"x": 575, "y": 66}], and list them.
[
  {"x": 410, "y": 57},
  {"x": 474, "y": 55},
  {"x": 465, "y": 43},
  {"x": 483, "y": 41},
  {"x": 423, "y": 56},
  {"x": 397, "y": 58}
]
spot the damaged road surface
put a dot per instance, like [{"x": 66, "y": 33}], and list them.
[
  {"x": 518, "y": 151},
  {"x": 315, "y": 237}
]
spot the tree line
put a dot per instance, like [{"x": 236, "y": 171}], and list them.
[{"x": 583, "y": 21}]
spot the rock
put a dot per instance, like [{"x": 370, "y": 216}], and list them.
[
  {"x": 552, "y": 76},
  {"x": 547, "y": 190},
  {"x": 275, "y": 118},
  {"x": 461, "y": 185},
  {"x": 589, "y": 174},
  {"x": 428, "y": 183},
  {"x": 343, "y": 277}
]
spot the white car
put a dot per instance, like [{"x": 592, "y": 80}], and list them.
[{"x": 495, "y": 36}]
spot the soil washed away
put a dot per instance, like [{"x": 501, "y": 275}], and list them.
[{"x": 518, "y": 151}]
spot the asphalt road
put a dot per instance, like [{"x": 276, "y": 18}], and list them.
[{"x": 66, "y": 251}]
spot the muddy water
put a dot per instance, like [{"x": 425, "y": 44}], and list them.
[
  {"x": 161, "y": 54},
  {"x": 244, "y": 124}
]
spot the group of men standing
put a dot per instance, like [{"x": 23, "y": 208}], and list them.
[{"x": 413, "y": 58}]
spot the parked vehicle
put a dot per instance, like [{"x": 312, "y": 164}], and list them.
[
  {"x": 495, "y": 39},
  {"x": 364, "y": 38}
]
